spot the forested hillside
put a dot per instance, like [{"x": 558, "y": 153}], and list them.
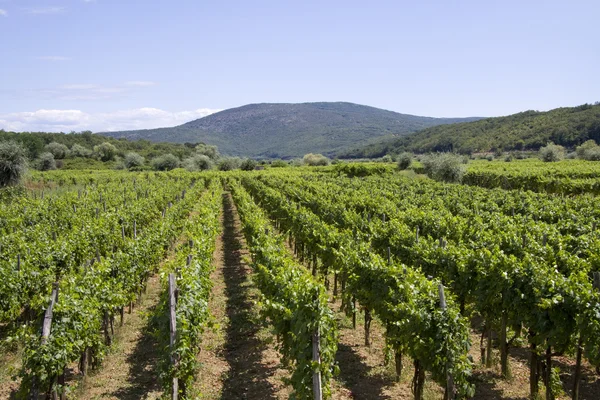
[{"x": 529, "y": 130}]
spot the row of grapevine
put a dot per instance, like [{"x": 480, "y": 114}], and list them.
[
  {"x": 559, "y": 311},
  {"x": 565, "y": 177},
  {"x": 419, "y": 322},
  {"x": 60, "y": 234},
  {"x": 79, "y": 322},
  {"x": 293, "y": 300},
  {"x": 189, "y": 272}
]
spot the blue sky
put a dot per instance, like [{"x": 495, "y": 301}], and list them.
[{"x": 125, "y": 64}]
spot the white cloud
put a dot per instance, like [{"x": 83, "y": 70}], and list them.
[
  {"x": 53, "y": 58},
  {"x": 77, "y": 120},
  {"x": 3, "y": 12},
  {"x": 44, "y": 10}
]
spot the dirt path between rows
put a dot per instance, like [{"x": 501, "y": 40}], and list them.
[
  {"x": 129, "y": 370},
  {"x": 239, "y": 357}
]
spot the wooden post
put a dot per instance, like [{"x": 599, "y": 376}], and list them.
[
  {"x": 316, "y": 357},
  {"x": 18, "y": 262},
  {"x": 353, "y": 312},
  {"x": 46, "y": 325},
  {"x": 383, "y": 218},
  {"x": 134, "y": 230},
  {"x": 48, "y": 315},
  {"x": 368, "y": 320},
  {"x": 450, "y": 390},
  {"x": 123, "y": 232},
  {"x": 389, "y": 258},
  {"x": 417, "y": 234},
  {"x": 173, "y": 329},
  {"x": 577, "y": 375}
]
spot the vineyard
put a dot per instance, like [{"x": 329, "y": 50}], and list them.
[{"x": 310, "y": 283}]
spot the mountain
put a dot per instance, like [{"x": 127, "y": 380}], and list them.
[
  {"x": 529, "y": 130},
  {"x": 290, "y": 130}
]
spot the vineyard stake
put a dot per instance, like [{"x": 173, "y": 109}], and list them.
[
  {"x": 316, "y": 358},
  {"x": 450, "y": 390},
  {"x": 173, "y": 330}
]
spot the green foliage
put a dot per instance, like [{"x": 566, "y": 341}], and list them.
[
  {"x": 105, "y": 151},
  {"x": 165, "y": 162},
  {"x": 194, "y": 286},
  {"x": 78, "y": 150},
  {"x": 444, "y": 167},
  {"x": 529, "y": 130},
  {"x": 133, "y": 160},
  {"x": 58, "y": 150},
  {"x": 228, "y": 163},
  {"x": 248, "y": 164},
  {"x": 387, "y": 159},
  {"x": 279, "y": 164},
  {"x": 46, "y": 162},
  {"x": 198, "y": 162},
  {"x": 210, "y": 151},
  {"x": 13, "y": 163},
  {"x": 404, "y": 160},
  {"x": 315, "y": 160},
  {"x": 589, "y": 151},
  {"x": 552, "y": 152},
  {"x": 293, "y": 300}
]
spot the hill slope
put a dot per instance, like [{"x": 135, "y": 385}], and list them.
[
  {"x": 529, "y": 130},
  {"x": 290, "y": 130}
]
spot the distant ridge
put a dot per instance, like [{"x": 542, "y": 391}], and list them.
[
  {"x": 279, "y": 130},
  {"x": 529, "y": 130}
]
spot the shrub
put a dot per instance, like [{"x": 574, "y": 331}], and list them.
[
  {"x": 210, "y": 151},
  {"x": 279, "y": 164},
  {"x": 589, "y": 150},
  {"x": 105, "y": 151},
  {"x": 387, "y": 159},
  {"x": 58, "y": 150},
  {"x": 228, "y": 164},
  {"x": 46, "y": 162},
  {"x": 165, "y": 162},
  {"x": 80, "y": 151},
  {"x": 551, "y": 152},
  {"x": 508, "y": 158},
  {"x": 248, "y": 164},
  {"x": 13, "y": 163},
  {"x": 198, "y": 162},
  {"x": 133, "y": 160},
  {"x": 446, "y": 167},
  {"x": 315, "y": 160},
  {"x": 404, "y": 161},
  {"x": 593, "y": 154}
]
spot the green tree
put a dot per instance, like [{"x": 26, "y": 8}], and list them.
[
  {"x": 13, "y": 163},
  {"x": 58, "y": 150},
  {"x": 551, "y": 152},
  {"x": 165, "y": 162},
  {"x": 315, "y": 159},
  {"x": 78, "y": 150},
  {"x": 105, "y": 151},
  {"x": 404, "y": 160},
  {"x": 132, "y": 160},
  {"x": 248, "y": 164},
  {"x": 46, "y": 162}
]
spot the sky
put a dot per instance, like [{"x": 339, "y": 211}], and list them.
[{"x": 74, "y": 65}]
